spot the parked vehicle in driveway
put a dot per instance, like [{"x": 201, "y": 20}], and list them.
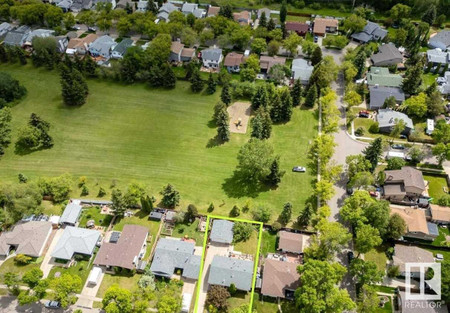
[
  {"x": 398, "y": 147},
  {"x": 316, "y": 39},
  {"x": 364, "y": 114},
  {"x": 52, "y": 305},
  {"x": 299, "y": 169}
]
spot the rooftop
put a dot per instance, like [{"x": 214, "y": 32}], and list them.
[
  {"x": 75, "y": 240},
  {"x": 293, "y": 242},
  {"x": 279, "y": 276},
  {"x": 321, "y": 24},
  {"x": 233, "y": 59},
  {"x": 410, "y": 254},
  {"x": 387, "y": 52},
  {"x": 71, "y": 212},
  {"x": 440, "y": 213},
  {"x": 222, "y": 231},
  {"x": 415, "y": 219},
  {"x": 378, "y": 94},
  {"x": 407, "y": 175},
  {"x": 266, "y": 62},
  {"x": 225, "y": 271},
  {"x": 381, "y": 76},
  {"x": 387, "y": 117}
]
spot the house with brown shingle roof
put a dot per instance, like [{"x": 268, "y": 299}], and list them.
[
  {"x": 293, "y": 242},
  {"x": 280, "y": 279},
  {"x": 80, "y": 45},
  {"x": 213, "y": 11},
  {"x": 127, "y": 251},
  {"x": 440, "y": 214},
  {"x": 27, "y": 238},
  {"x": 243, "y": 18},
  {"x": 233, "y": 62},
  {"x": 410, "y": 254},
  {"x": 266, "y": 62},
  {"x": 404, "y": 183},
  {"x": 416, "y": 223},
  {"x": 300, "y": 28},
  {"x": 325, "y": 25},
  {"x": 178, "y": 53}
]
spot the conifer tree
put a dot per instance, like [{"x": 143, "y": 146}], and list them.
[
  {"x": 211, "y": 86},
  {"x": 316, "y": 57},
  {"x": 263, "y": 20},
  {"x": 74, "y": 86},
  {"x": 223, "y": 129},
  {"x": 311, "y": 96},
  {"x": 261, "y": 124},
  {"x": 275, "y": 175},
  {"x": 197, "y": 83},
  {"x": 286, "y": 105},
  {"x": 271, "y": 25},
  {"x": 296, "y": 93},
  {"x": 225, "y": 96},
  {"x": 276, "y": 109},
  {"x": 260, "y": 99}
]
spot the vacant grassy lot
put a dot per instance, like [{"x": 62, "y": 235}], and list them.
[
  {"x": 154, "y": 136},
  {"x": 436, "y": 185}
]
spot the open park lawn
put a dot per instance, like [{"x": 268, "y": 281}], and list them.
[
  {"x": 154, "y": 136},
  {"x": 9, "y": 266},
  {"x": 436, "y": 186}
]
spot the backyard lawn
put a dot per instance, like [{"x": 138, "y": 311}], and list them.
[
  {"x": 441, "y": 238},
  {"x": 249, "y": 246},
  {"x": 190, "y": 230},
  {"x": 94, "y": 213},
  {"x": 436, "y": 185},
  {"x": 154, "y": 136},
  {"x": 268, "y": 242},
  {"x": 10, "y": 267}
]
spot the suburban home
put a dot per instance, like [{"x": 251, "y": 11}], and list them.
[
  {"x": 325, "y": 25},
  {"x": 300, "y": 28},
  {"x": 4, "y": 28},
  {"x": 192, "y": 8},
  {"x": 122, "y": 4},
  {"x": 65, "y": 5},
  {"x": 225, "y": 271},
  {"x": 28, "y": 238},
  {"x": 293, "y": 242},
  {"x": 78, "y": 5},
  {"x": 441, "y": 40},
  {"x": 71, "y": 213},
  {"x": 410, "y": 254},
  {"x": 178, "y": 53},
  {"x": 62, "y": 43},
  {"x": 37, "y": 33},
  {"x": 437, "y": 57},
  {"x": 419, "y": 306},
  {"x": 302, "y": 70},
  {"x": 379, "y": 94},
  {"x": 371, "y": 32},
  {"x": 416, "y": 223},
  {"x": 233, "y": 61},
  {"x": 175, "y": 254},
  {"x": 440, "y": 214},
  {"x": 388, "y": 118},
  {"x": 165, "y": 10},
  {"x": 142, "y": 6},
  {"x": 80, "y": 45},
  {"x": 266, "y": 62},
  {"x": 16, "y": 37},
  {"x": 102, "y": 46},
  {"x": 119, "y": 51},
  {"x": 387, "y": 55},
  {"x": 126, "y": 251},
  {"x": 406, "y": 182},
  {"x": 266, "y": 11},
  {"x": 280, "y": 279},
  {"x": 222, "y": 231},
  {"x": 212, "y": 58},
  {"x": 213, "y": 11},
  {"x": 381, "y": 76},
  {"x": 243, "y": 17},
  {"x": 74, "y": 240},
  {"x": 444, "y": 83}
]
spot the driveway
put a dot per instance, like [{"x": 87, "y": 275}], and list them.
[
  {"x": 211, "y": 250},
  {"x": 48, "y": 261},
  {"x": 88, "y": 294}
]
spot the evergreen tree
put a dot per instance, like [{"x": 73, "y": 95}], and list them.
[
  {"x": 261, "y": 124},
  {"x": 263, "y": 20},
  {"x": 283, "y": 12},
  {"x": 271, "y": 25},
  {"x": 223, "y": 129},
  {"x": 219, "y": 107},
  {"x": 286, "y": 105},
  {"x": 360, "y": 63},
  {"x": 90, "y": 67},
  {"x": 286, "y": 214},
  {"x": 311, "y": 96},
  {"x": 275, "y": 175},
  {"x": 276, "y": 109},
  {"x": 226, "y": 11},
  {"x": 306, "y": 215},
  {"x": 21, "y": 55},
  {"x": 296, "y": 93},
  {"x": 169, "y": 79},
  {"x": 78, "y": 64},
  {"x": 373, "y": 152},
  {"x": 211, "y": 86},
  {"x": 260, "y": 99},
  {"x": 225, "y": 96},
  {"x": 151, "y": 7},
  {"x": 3, "y": 54},
  {"x": 430, "y": 15},
  {"x": 74, "y": 86},
  {"x": 413, "y": 79},
  {"x": 197, "y": 83},
  {"x": 316, "y": 56}
]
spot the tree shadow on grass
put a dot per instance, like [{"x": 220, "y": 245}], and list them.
[
  {"x": 238, "y": 186},
  {"x": 211, "y": 123},
  {"x": 214, "y": 142},
  {"x": 25, "y": 151}
]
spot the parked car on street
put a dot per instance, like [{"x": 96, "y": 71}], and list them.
[
  {"x": 350, "y": 256},
  {"x": 398, "y": 147},
  {"x": 299, "y": 169},
  {"x": 52, "y": 305}
]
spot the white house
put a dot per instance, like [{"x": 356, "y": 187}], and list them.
[{"x": 212, "y": 57}]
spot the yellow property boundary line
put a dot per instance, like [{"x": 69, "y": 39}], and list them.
[{"x": 205, "y": 241}]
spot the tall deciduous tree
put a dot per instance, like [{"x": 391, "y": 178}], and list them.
[
  {"x": 367, "y": 238},
  {"x": 255, "y": 159}
]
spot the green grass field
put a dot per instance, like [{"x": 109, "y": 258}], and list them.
[
  {"x": 94, "y": 213},
  {"x": 9, "y": 266},
  {"x": 268, "y": 242},
  {"x": 436, "y": 185},
  {"x": 81, "y": 269},
  {"x": 154, "y": 136},
  {"x": 189, "y": 230},
  {"x": 378, "y": 256}
]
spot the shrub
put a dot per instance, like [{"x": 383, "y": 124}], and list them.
[
  {"x": 22, "y": 259},
  {"x": 211, "y": 207},
  {"x": 374, "y": 128},
  {"x": 235, "y": 211},
  {"x": 232, "y": 289},
  {"x": 84, "y": 190},
  {"x": 22, "y": 178},
  {"x": 359, "y": 131},
  {"x": 262, "y": 214},
  {"x": 101, "y": 192},
  {"x": 444, "y": 200},
  {"x": 242, "y": 231},
  {"x": 393, "y": 271},
  {"x": 276, "y": 226},
  {"x": 82, "y": 181}
]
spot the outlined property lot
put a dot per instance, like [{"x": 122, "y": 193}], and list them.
[{"x": 219, "y": 258}]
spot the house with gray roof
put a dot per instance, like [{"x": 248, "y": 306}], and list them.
[
  {"x": 266, "y": 11},
  {"x": 225, "y": 271},
  {"x": 192, "y": 268},
  {"x": 119, "y": 51},
  {"x": 38, "y": 33},
  {"x": 174, "y": 254},
  {"x": 75, "y": 240},
  {"x": 165, "y": 10},
  {"x": 388, "y": 118},
  {"x": 387, "y": 55},
  {"x": 27, "y": 238},
  {"x": 188, "y": 8},
  {"x": 71, "y": 213},
  {"x": 302, "y": 70},
  {"x": 78, "y": 5},
  {"x": 4, "y": 28},
  {"x": 371, "y": 32},
  {"x": 16, "y": 37},
  {"x": 222, "y": 231},
  {"x": 379, "y": 94},
  {"x": 65, "y": 5},
  {"x": 444, "y": 84},
  {"x": 212, "y": 57},
  {"x": 441, "y": 40},
  {"x": 142, "y": 6},
  {"x": 380, "y": 76},
  {"x": 437, "y": 56},
  {"x": 102, "y": 46}
]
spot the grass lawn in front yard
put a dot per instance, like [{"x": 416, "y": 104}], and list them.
[
  {"x": 94, "y": 213},
  {"x": 190, "y": 230},
  {"x": 126, "y": 133},
  {"x": 249, "y": 246},
  {"x": 378, "y": 256},
  {"x": 240, "y": 298},
  {"x": 436, "y": 185},
  {"x": 124, "y": 280},
  {"x": 9, "y": 266},
  {"x": 81, "y": 269},
  {"x": 269, "y": 242},
  {"x": 270, "y": 305}
]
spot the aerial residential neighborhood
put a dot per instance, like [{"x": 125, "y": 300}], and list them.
[{"x": 224, "y": 157}]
